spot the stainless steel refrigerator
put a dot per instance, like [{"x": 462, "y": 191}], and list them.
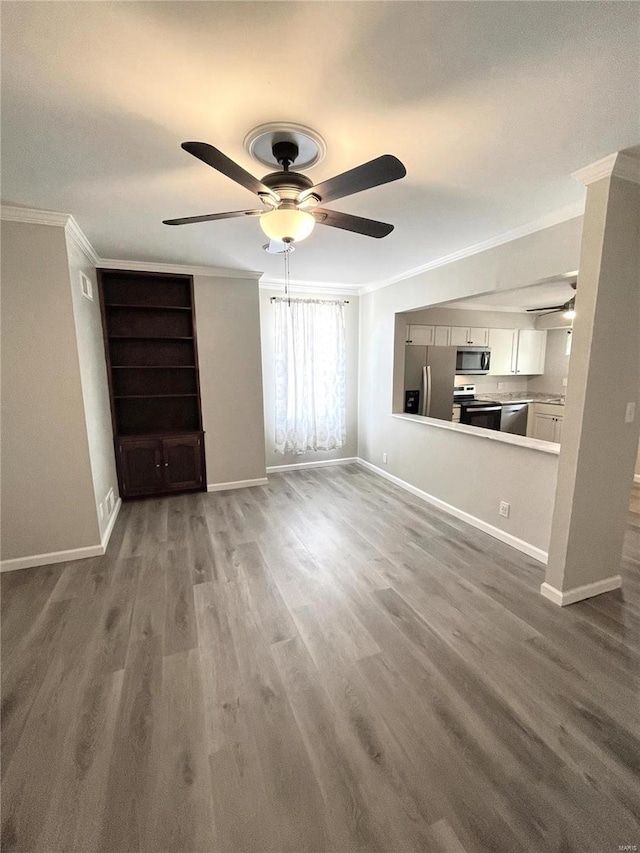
[{"x": 431, "y": 372}]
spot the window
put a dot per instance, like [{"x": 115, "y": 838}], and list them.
[{"x": 310, "y": 375}]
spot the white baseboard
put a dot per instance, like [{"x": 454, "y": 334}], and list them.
[
  {"x": 64, "y": 556},
  {"x": 237, "y": 484},
  {"x": 636, "y": 478},
  {"x": 579, "y": 593},
  {"x": 276, "y": 469},
  {"x": 496, "y": 532},
  {"x": 52, "y": 557},
  {"x": 109, "y": 528}
]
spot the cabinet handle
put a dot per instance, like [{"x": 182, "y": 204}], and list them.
[
  {"x": 166, "y": 464},
  {"x": 158, "y": 465}
]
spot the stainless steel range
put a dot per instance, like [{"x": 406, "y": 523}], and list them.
[{"x": 474, "y": 412}]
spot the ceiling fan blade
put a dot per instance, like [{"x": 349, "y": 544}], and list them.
[
  {"x": 549, "y": 308},
  {"x": 382, "y": 170},
  {"x": 221, "y": 163},
  {"x": 210, "y": 217},
  {"x": 348, "y": 222}
]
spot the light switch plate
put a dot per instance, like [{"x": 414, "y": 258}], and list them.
[
  {"x": 504, "y": 509},
  {"x": 630, "y": 413}
]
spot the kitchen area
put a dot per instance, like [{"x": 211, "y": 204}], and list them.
[{"x": 500, "y": 362}]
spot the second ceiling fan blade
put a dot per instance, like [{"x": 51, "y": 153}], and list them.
[
  {"x": 382, "y": 170},
  {"x": 226, "y": 166},
  {"x": 549, "y": 308},
  {"x": 211, "y": 217},
  {"x": 348, "y": 222}
]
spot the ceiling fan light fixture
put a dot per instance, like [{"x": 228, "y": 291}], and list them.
[{"x": 287, "y": 225}]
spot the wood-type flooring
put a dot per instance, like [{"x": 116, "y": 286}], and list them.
[{"x": 325, "y": 664}]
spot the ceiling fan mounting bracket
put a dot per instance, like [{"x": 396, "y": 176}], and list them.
[
  {"x": 260, "y": 143},
  {"x": 285, "y": 152}
]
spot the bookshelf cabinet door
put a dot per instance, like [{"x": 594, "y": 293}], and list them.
[
  {"x": 182, "y": 462},
  {"x": 141, "y": 469}
]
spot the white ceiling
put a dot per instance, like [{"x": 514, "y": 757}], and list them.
[
  {"x": 491, "y": 106},
  {"x": 545, "y": 294}
]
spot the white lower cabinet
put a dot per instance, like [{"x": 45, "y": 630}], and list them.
[{"x": 545, "y": 422}]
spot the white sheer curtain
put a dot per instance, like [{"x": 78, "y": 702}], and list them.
[{"x": 310, "y": 375}]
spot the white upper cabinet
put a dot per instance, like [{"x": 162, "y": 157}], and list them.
[
  {"x": 502, "y": 343},
  {"x": 517, "y": 351},
  {"x": 421, "y": 335},
  {"x": 459, "y": 336},
  {"x": 531, "y": 351},
  {"x": 467, "y": 336},
  {"x": 478, "y": 337},
  {"x": 443, "y": 336}
]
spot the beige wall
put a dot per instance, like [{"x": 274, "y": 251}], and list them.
[
  {"x": 93, "y": 374},
  {"x": 47, "y": 490},
  {"x": 599, "y": 447},
  {"x": 267, "y": 321},
  {"x": 228, "y": 328},
  {"x": 471, "y": 473}
]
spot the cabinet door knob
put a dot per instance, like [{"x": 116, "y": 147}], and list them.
[{"x": 158, "y": 465}]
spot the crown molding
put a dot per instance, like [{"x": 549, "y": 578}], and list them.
[
  {"x": 618, "y": 165},
  {"x": 297, "y": 286},
  {"x": 177, "y": 269},
  {"x": 564, "y": 214},
  {"x": 75, "y": 233},
  {"x": 33, "y": 216},
  {"x": 627, "y": 167}
]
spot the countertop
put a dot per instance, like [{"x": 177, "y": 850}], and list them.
[
  {"x": 485, "y": 434},
  {"x": 522, "y": 397}
]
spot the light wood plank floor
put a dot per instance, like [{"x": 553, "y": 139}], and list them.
[{"x": 321, "y": 665}]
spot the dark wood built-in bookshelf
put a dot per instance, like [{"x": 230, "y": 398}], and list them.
[{"x": 152, "y": 361}]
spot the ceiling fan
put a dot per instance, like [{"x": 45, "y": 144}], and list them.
[
  {"x": 291, "y": 202},
  {"x": 568, "y": 307}
]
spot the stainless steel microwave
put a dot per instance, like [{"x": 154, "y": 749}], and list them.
[{"x": 472, "y": 361}]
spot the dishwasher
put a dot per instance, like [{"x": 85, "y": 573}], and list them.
[{"x": 514, "y": 418}]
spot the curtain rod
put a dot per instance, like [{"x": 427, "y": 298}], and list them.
[{"x": 289, "y": 299}]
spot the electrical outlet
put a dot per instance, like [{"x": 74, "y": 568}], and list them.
[
  {"x": 564, "y": 381},
  {"x": 500, "y": 386},
  {"x": 384, "y": 458},
  {"x": 504, "y": 509},
  {"x": 110, "y": 501},
  {"x": 630, "y": 413}
]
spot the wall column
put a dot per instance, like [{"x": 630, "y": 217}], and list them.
[{"x": 600, "y": 429}]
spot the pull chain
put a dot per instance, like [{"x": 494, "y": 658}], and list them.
[{"x": 287, "y": 252}]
